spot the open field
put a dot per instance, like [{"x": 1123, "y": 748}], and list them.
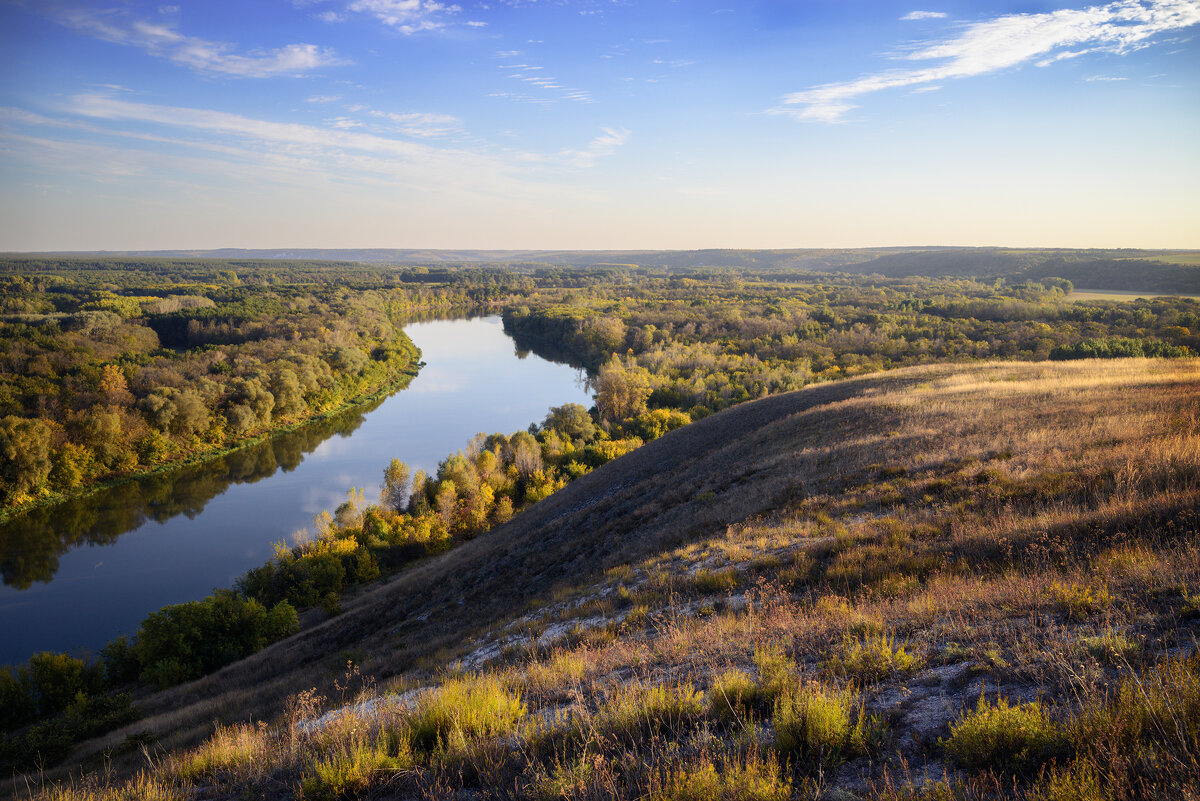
[
  {"x": 880, "y": 552},
  {"x": 1080, "y": 295}
]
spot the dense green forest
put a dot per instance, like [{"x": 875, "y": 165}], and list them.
[
  {"x": 113, "y": 368},
  {"x": 118, "y": 366}
]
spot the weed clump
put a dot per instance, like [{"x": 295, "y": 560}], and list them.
[
  {"x": 821, "y": 725},
  {"x": 1079, "y": 601},
  {"x": 754, "y": 779},
  {"x": 632, "y": 712},
  {"x": 462, "y": 710},
  {"x": 734, "y": 694},
  {"x": 1006, "y": 739},
  {"x": 871, "y": 659},
  {"x": 355, "y": 768}
]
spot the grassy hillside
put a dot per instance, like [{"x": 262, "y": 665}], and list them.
[{"x": 963, "y": 578}]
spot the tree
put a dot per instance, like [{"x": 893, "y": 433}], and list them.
[
  {"x": 24, "y": 455},
  {"x": 394, "y": 491},
  {"x": 527, "y": 454},
  {"x": 621, "y": 392},
  {"x": 571, "y": 419},
  {"x": 113, "y": 386},
  {"x": 289, "y": 397}
]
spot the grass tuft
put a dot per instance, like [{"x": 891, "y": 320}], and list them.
[
  {"x": 753, "y": 779},
  {"x": 821, "y": 725},
  {"x": 465, "y": 709},
  {"x": 1006, "y": 739},
  {"x": 871, "y": 659}
]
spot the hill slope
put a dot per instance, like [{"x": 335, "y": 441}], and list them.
[{"x": 807, "y": 591}]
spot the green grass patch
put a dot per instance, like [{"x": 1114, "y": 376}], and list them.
[
  {"x": 871, "y": 658},
  {"x": 818, "y": 725},
  {"x": 463, "y": 710},
  {"x": 1004, "y": 738}
]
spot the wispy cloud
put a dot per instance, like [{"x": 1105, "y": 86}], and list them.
[
  {"x": 1005, "y": 42},
  {"x": 917, "y": 15},
  {"x": 532, "y": 75},
  {"x": 425, "y": 125},
  {"x": 407, "y": 16},
  {"x": 162, "y": 40},
  {"x": 336, "y": 153},
  {"x": 166, "y": 141},
  {"x": 603, "y": 145}
]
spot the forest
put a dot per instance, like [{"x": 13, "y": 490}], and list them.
[{"x": 112, "y": 368}]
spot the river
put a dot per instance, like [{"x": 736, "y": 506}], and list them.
[{"x": 81, "y": 573}]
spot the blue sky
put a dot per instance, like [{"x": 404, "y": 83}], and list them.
[{"x": 597, "y": 124}]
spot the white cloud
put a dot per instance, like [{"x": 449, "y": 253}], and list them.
[
  {"x": 521, "y": 72},
  {"x": 325, "y": 153},
  {"x": 407, "y": 16},
  {"x": 916, "y": 15},
  {"x": 603, "y": 145},
  {"x": 425, "y": 125},
  {"x": 323, "y": 99},
  {"x": 1005, "y": 42},
  {"x": 164, "y": 41}
]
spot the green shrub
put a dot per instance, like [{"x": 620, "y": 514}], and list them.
[
  {"x": 635, "y": 711},
  {"x": 871, "y": 658},
  {"x": 352, "y": 770},
  {"x": 1079, "y": 601},
  {"x": 1077, "y": 781},
  {"x": 734, "y": 694},
  {"x": 462, "y": 710},
  {"x": 51, "y": 740},
  {"x": 715, "y": 581},
  {"x": 1111, "y": 647},
  {"x": 754, "y": 779},
  {"x": 1003, "y": 738},
  {"x": 821, "y": 725},
  {"x": 181, "y": 642},
  {"x": 776, "y": 673}
]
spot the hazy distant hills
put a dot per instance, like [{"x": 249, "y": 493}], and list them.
[{"x": 1163, "y": 271}]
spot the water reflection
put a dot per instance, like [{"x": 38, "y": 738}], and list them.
[
  {"x": 31, "y": 544},
  {"x": 80, "y": 573}
]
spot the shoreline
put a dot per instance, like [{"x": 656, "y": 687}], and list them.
[{"x": 201, "y": 457}]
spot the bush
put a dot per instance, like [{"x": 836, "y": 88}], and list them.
[
  {"x": 353, "y": 769},
  {"x": 181, "y": 642},
  {"x": 462, "y": 710},
  {"x": 639, "y": 710},
  {"x": 1007, "y": 739},
  {"x": 715, "y": 581},
  {"x": 821, "y": 725},
  {"x": 755, "y": 779},
  {"x": 50, "y": 741},
  {"x": 1079, "y": 601},
  {"x": 733, "y": 695},
  {"x": 871, "y": 658}
]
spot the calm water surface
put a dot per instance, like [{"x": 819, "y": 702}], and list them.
[{"x": 77, "y": 575}]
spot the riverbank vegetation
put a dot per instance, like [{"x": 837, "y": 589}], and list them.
[{"x": 109, "y": 372}]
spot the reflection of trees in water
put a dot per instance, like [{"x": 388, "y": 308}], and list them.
[{"x": 31, "y": 544}]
